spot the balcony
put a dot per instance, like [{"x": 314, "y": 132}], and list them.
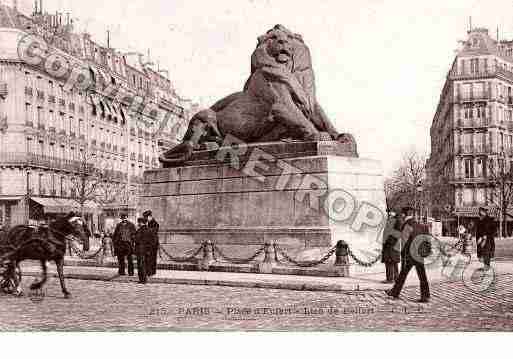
[
  {"x": 40, "y": 95},
  {"x": 28, "y": 91},
  {"x": 43, "y": 161},
  {"x": 474, "y": 122},
  {"x": 132, "y": 156},
  {"x": 62, "y": 102},
  {"x": 51, "y": 99},
  {"x": 132, "y": 132},
  {"x": 484, "y": 96},
  {"x": 51, "y": 129},
  {"x": 475, "y": 150}
]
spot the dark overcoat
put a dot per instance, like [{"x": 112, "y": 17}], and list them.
[
  {"x": 143, "y": 241},
  {"x": 123, "y": 237},
  {"x": 485, "y": 237},
  {"x": 391, "y": 236}
]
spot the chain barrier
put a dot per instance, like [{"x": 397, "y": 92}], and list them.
[
  {"x": 361, "y": 262},
  {"x": 182, "y": 259},
  {"x": 278, "y": 250},
  {"x": 237, "y": 260}
]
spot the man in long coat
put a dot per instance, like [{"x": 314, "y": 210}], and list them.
[
  {"x": 415, "y": 249},
  {"x": 122, "y": 242},
  {"x": 485, "y": 237},
  {"x": 153, "y": 225},
  {"x": 391, "y": 254},
  {"x": 142, "y": 246}
]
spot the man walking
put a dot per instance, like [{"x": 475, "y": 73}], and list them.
[
  {"x": 415, "y": 249},
  {"x": 391, "y": 254},
  {"x": 154, "y": 246},
  {"x": 142, "y": 241},
  {"x": 122, "y": 242},
  {"x": 485, "y": 233}
]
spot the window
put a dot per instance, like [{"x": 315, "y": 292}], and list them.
[
  {"x": 39, "y": 116},
  {"x": 467, "y": 195},
  {"x": 480, "y": 196},
  {"x": 474, "y": 66},
  {"x": 469, "y": 168},
  {"x": 28, "y": 113},
  {"x": 480, "y": 167}
]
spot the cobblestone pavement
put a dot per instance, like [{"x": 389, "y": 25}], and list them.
[{"x": 99, "y": 305}]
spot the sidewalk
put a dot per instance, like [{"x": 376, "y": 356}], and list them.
[{"x": 360, "y": 278}]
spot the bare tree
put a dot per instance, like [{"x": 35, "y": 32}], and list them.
[
  {"x": 94, "y": 181},
  {"x": 500, "y": 182},
  {"x": 402, "y": 189}
]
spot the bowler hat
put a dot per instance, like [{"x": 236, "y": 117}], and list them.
[
  {"x": 483, "y": 209},
  {"x": 147, "y": 213},
  {"x": 123, "y": 216}
]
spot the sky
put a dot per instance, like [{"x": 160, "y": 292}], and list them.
[{"x": 379, "y": 65}]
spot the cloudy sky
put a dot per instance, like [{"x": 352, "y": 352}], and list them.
[{"x": 379, "y": 65}]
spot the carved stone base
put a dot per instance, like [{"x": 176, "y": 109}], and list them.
[{"x": 255, "y": 200}]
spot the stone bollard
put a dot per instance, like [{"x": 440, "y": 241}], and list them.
[
  {"x": 342, "y": 259},
  {"x": 266, "y": 266},
  {"x": 208, "y": 256}
]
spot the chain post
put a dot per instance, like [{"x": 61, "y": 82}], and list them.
[
  {"x": 266, "y": 266},
  {"x": 208, "y": 256},
  {"x": 342, "y": 259}
]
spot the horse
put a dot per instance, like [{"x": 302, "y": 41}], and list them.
[{"x": 24, "y": 242}]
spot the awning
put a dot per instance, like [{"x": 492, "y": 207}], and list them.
[
  {"x": 10, "y": 198},
  {"x": 95, "y": 100},
  {"x": 50, "y": 205},
  {"x": 106, "y": 108}
]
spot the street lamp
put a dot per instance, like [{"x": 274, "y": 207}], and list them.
[{"x": 418, "y": 189}]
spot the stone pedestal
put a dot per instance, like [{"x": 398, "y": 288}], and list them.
[{"x": 304, "y": 196}]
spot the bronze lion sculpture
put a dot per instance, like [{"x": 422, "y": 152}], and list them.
[{"x": 278, "y": 102}]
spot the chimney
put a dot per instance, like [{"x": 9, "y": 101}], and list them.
[
  {"x": 41, "y": 6},
  {"x": 15, "y": 5},
  {"x": 35, "y": 7}
]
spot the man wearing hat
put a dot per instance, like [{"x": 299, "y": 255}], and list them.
[
  {"x": 122, "y": 242},
  {"x": 154, "y": 246},
  {"x": 416, "y": 247},
  {"x": 485, "y": 233},
  {"x": 142, "y": 241},
  {"x": 391, "y": 252}
]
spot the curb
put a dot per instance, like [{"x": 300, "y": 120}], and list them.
[
  {"x": 327, "y": 271},
  {"x": 309, "y": 287}
]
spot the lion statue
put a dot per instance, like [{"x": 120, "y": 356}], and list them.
[{"x": 278, "y": 102}]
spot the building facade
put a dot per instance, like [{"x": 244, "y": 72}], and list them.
[
  {"x": 472, "y": 130},
  {"x": 54, "y": 136}
]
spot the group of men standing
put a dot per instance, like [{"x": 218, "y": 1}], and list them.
[
  {"x": 408, "y": 242},
  {"x": 143, "y": 241}
]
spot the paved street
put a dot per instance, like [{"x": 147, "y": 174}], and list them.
[{"x": 100, "y": 305}]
